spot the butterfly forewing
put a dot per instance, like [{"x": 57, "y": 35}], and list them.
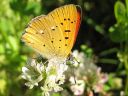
[
  {"x": 55, "y": 33},
  {"x": 69, "y": 24}
]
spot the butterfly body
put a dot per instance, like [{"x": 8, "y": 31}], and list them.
[{"x": 54, "y": 35}]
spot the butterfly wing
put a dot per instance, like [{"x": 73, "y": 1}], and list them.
[
  {"x": 54, "y": 34},
  {"x": 36, "y": 35},
  {"x": 67, "y": 18}
]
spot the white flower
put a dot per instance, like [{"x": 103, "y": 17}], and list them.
[
  {"x": 33, "y": 73},
  {"x": 102, "y": 78},
  {"x": 79, "y": 58},
  {"x": 85, "y": 65},
  {"x": 55, "y": 75},
  {"x": 56, "y": 66},
  {"x": 88, "y": 72},
  {"x": 77, "y": 87},
  {"x": 51, "y": 74}
]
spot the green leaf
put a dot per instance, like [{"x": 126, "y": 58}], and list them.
[
  {"x": 88, "y": 51},
  {"x": 56, "y": 94},
  {"x": 106, "y": 87},
  {"x": 2, "y": 85},
  {"x": 126, "y": 1},
  {"x": 33, "y": 7},
  {"x": 120, "y": 11},
  {"x": 14, "y": 43},
  {"x": 119, "y": 33},
  {"x": 2, "y": 48},
  {"x": 108, "y": 61}
]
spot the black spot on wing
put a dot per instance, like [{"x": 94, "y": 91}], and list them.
[
  {"x": 69, "y": 19},
  {"x": 61, "y": 23},
  {"x": 66, "y": 37},
  {"x": 67, "y": 30},
  {"x": 53, "y": 29}
]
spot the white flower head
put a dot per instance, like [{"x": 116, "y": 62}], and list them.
[
  {"x": 51, "y": 74},
  {"x": 79, "y": 58},
  {"x": 102, "y": 78},
  {"x": 88, "y": 72},
  {"x": 33, "y": 73},
  {"x": 55, "y": 75},
  {"x": 56, "y": 66},
  {"x": 78, "y": 87}
]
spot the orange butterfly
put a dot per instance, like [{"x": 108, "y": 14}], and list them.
[{"x": 54, "y": 35}]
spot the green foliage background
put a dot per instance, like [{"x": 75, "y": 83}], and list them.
[
  {"x": 14, "y": 16},
  {"x": 98, "y": 17}
]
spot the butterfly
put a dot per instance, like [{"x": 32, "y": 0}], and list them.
[{"x": 53, "y": 35}]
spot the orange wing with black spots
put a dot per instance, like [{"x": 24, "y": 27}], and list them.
[{"x": 55, "y": 33}]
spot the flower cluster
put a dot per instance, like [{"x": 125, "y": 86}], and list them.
[
  {"x": 50, "y": 74},
  {"x": 53, "y": 73},
  {"x": 33, "y": 73},
  {"x": 87, "y": 75}
]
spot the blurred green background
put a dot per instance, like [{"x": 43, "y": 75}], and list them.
[{"x": 104, "y": 29}]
